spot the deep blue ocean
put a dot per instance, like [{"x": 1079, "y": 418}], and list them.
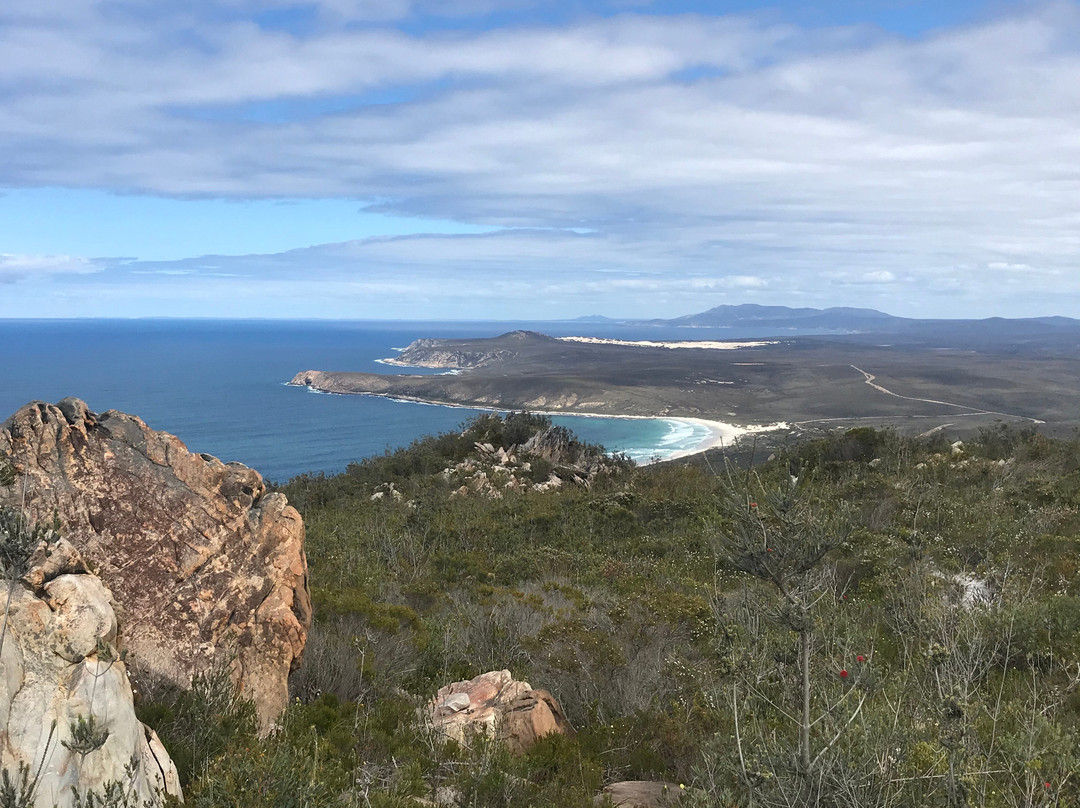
[{"x": 219, "y": 385}]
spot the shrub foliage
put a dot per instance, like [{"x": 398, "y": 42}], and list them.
[{"x": 868, "y": 619}]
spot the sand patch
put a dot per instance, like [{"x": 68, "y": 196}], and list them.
[{"x": 713, "y": 345}]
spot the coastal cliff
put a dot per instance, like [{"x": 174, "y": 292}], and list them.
[
  {"x": 206, "y": 567},
  {"x": 489, "y": 392}
]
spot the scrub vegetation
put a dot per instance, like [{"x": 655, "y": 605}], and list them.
[{"x": 863, "y": 620}]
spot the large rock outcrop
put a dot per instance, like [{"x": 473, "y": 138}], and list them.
[
  {"x": 206, "y": 568},
  {"x": 66, "y": 711},
  {"x": 497, "y": 705}
]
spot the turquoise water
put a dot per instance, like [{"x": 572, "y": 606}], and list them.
[
  {"x": 642, "y": 440},
  {"x": 219, "y": 385}
]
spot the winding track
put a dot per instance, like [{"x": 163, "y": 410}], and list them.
[{"x": 869, "y": 379}]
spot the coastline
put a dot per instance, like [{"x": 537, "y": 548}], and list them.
[
  {"x": 719, "y": 433},
  {"x": 397, "y": 364}
]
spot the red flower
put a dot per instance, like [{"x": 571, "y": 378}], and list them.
[
  {"x": 843, "y": 674},
  {"x": 1047, "y": 785},
  {"x": 861, "y": 658},
  {"x": 769, "y": 550},
  {"x": 753, "y": 504}
]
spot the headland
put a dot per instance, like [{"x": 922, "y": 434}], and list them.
[{"x": 732, "y": 387}]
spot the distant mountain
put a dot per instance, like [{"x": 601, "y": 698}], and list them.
[
  {"x": 846, "y": 320},
  {"x": 594, "y": 318},
  {"x": 841, "y": 319},
  {"x": 1053, "y": 333}
]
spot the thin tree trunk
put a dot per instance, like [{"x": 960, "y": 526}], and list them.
[
  {"x": 738, "y": 743},
  {"x": 7, "y": 609},
  {"x": 804, "y": 729}
]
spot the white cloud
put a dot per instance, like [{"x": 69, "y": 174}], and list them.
[
  {"x": 746, "y": 282},
  {"x": 1020, "y": 270},
  {"x": 19, "y": 267},
  {"x": 729, "y": 282},
  {"x": 823, "y": 159}
]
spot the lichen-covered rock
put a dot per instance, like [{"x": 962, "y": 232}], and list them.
[
  {"x": 205, "y": 567},
  {"x": 498, "y": 706},
  {"x": 66, "y": 710}
]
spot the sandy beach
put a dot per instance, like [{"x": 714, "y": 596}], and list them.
[{"x": 720, "y": 434}]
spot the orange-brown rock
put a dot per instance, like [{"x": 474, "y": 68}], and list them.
[
  {"x": 499, "y": 706},
  {"x": 204, "y": 566}
]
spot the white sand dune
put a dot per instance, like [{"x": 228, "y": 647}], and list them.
[{"x": 715, "y": 345}]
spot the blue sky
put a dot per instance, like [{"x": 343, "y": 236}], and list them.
[{"x": 520, "y": 159}]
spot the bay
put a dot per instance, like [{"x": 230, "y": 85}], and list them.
[{"x": 220, "y": 385}]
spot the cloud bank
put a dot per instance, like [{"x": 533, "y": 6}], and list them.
[{"x": 695, "y": 159}]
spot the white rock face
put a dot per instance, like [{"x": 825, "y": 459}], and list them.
[
  {"x": 974, "y": 591},
  {"x": 57, "y": 667}
]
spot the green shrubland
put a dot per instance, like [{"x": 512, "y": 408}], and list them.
[{"x": 864, "y": 620}]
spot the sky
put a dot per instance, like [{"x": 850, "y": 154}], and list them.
[{"x": 537, "y": 159}]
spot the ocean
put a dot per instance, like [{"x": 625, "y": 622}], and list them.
[{"x": 220, "y": 385}]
